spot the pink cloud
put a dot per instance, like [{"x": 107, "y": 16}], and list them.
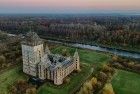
[{"x": 79, "y": 4}]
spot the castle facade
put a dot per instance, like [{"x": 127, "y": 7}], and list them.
[{"x": 39, "y": 62}]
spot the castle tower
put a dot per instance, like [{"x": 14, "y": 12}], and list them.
[
  {"x": 76, "y": 60},
  {"x": 47, "y": 51},
  {"x": 32, "y": 51}
]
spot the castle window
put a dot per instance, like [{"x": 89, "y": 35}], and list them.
[
  {"x": 39, "y": 55},
  {"x": 44, "y": 73},
  {"x": 40, "y": 70}
]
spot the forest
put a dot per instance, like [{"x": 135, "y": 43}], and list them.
[{"x": 121, "y": 31}]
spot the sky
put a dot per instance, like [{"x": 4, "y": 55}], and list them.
[{"x": 69, "y": 6}]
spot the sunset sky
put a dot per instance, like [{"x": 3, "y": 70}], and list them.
[{"x": 68, "y": 6}]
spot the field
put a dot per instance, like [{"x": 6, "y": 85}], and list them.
[
  {"x": 87, "y": 58},
  {"x": 125, "y": 82},
  {"x": 8, "y": 77}
]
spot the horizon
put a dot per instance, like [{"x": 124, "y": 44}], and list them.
[{"x": 68, "y": 6}]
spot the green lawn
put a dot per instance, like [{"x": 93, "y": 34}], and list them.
[
  {"x": 8, "y": 77},
  {"x": 125, "y": 82}
]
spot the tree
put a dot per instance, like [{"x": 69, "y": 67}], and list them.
[
  {"x": 107, "y": 69},
  {"x": 13, "y": 90},
  {"x": 93, "y": 81},
  {"x": 85, "y": 90},
  {"x": 65, "y": 52},
  {"x": 131, "y": 64},
  {"x": 31, "y": 91},
  {"x": 2, "y": 60},
  {"x": 67, "y": 80},
  {"x": 115, "y": 58},
  {"x": 108, "y": 89},
  {"x": 88, "y": 85},
  {"x": 102, "y": 77},
  {"x": 99, "y": 84},
  {"x": 21, "y": 86}
]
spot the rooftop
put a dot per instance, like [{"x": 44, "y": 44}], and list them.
[
  {"x": 31, "y": 38},
  {"x": 58, "y": 61}
]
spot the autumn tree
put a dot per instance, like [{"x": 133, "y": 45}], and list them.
[
  {"x": 31, "y": 91},
  {"x": 2, "y": 60},
  {"x": 65, "y": 52},
  {"x": 108, "y": 89}
]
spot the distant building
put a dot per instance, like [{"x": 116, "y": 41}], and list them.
[{"x": 41, "y": 63}]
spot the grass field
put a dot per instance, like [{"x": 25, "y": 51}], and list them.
[
  {"x": 125, "y": 82},
  {"x": 8, "y": 77}
]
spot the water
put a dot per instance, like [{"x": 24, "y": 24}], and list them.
[
  {"x": 129, "y": 54},
  {"x": 119, "y": 52}
]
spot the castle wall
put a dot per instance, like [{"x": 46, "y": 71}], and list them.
[
  {"x": 58, "y": 79},
  {"x": 63, "y": 72},
  {"x": 42, "y": 72}
]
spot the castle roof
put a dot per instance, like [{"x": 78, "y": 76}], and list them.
[
  {"x": 31, "y": 38},
  {"x": 58, "y": 61},
  {"x": 47, "y": 51}
]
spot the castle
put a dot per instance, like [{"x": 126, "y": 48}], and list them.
[{"x": 39, "y": 62}]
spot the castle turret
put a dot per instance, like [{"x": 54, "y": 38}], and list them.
[
  {"x": 32, "y": 51},
  {"x": 76, "y": 60},
  {"x": 47, "y": 51}
]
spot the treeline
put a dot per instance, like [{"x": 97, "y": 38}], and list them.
[
  {"x": 125, "y": 64},
  {"x": 120, "y": 31},
  {"x": 92, "y": 34}
]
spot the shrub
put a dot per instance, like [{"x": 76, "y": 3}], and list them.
[{"x": 67, "y": 80}]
